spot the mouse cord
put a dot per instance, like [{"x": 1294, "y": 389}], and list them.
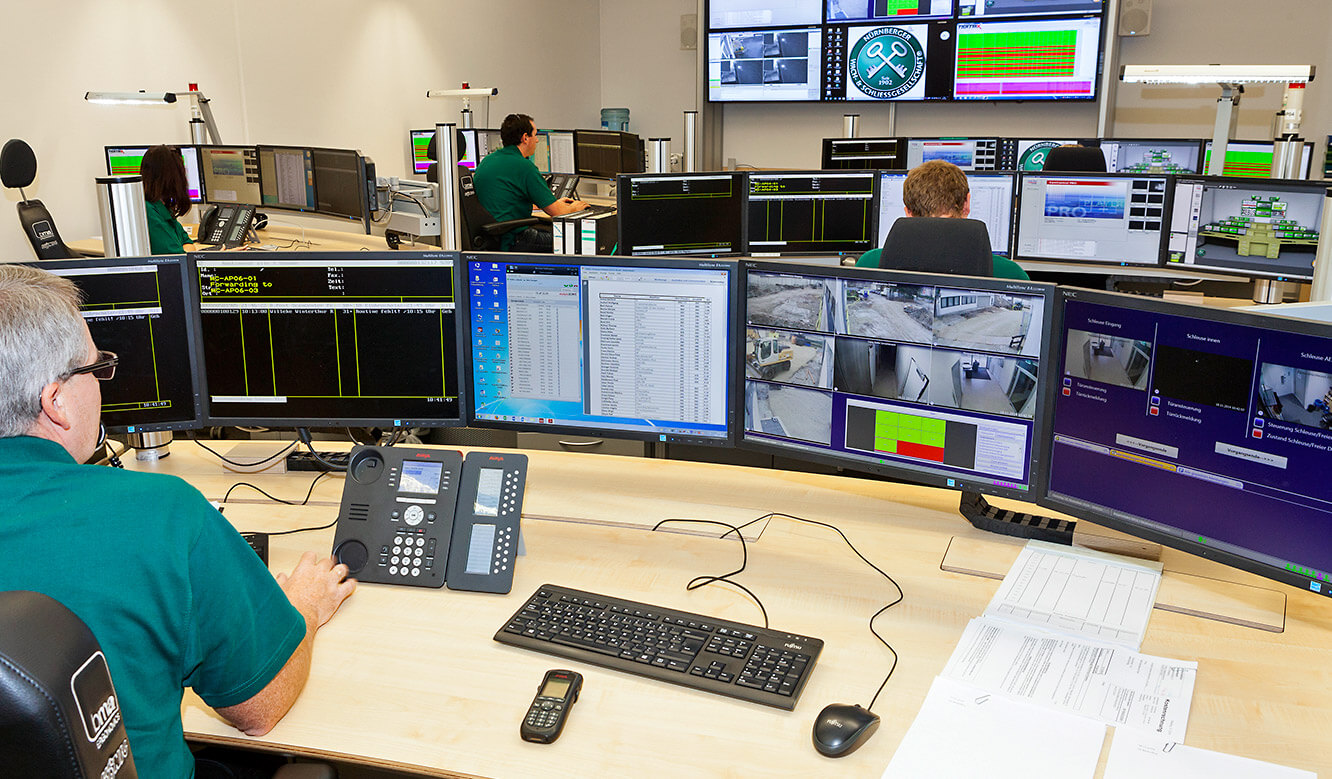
[{"x": 701, "y": 581}]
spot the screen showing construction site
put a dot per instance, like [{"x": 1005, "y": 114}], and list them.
[{"x": 935, "y": 379}]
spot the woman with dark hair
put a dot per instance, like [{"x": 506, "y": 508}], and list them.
[{"x": 168, "y": 196}]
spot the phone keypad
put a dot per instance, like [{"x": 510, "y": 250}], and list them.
[
  {"x": 410, "y": 554},
  {"x": 544, "y": 712}
]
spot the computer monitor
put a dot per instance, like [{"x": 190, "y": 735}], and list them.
[
  {"x": 286, "y": 177},
  {"x": 681, "y": 213},
  {"x": 966, "y": 153},
  {"x": 340, "y": 184},
  {"x": 1027, "y": 59},
  {"x": 602, "y": 345},
  {"x": 933, "y": 379},
  {"x": 474, "y": 144},
  {"x": 329, "y": 339},
  {"x": 554, "y": 152},
  {"x": 1253, "y": 158},
  {"x": 1025, "y": 7},
  {"x": 127, "y": 160},
  {"x": 991, "y": 202},
  {"x": 1026, "y": 153},
  {"x": 864, "y": 154},
  {"x": 812, "y": 212},
  {"x": 139, "y": 309},
  {"x": 418, "y": 143},
  {"x": 1152, "y": 155},
  {"x": 1105, "y": 218},
  {"x": 231, "y": 174},
  {"x": 607, "y": 153},
  {"x": 1262, "y": 227},
  {"x": 766, "y": 65},
  {"x": 1205, "y": 429}
]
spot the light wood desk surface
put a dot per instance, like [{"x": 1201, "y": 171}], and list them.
[
  {"x": 280, "y": 236},
  {"x": 411, "y": 679}
]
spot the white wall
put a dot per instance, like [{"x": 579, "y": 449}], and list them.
[
  {"x": 644, "y": 69},
  {"x": 340, "y": 73}
]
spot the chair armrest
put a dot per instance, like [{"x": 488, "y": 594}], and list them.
[{"x": 499, "y": 228}]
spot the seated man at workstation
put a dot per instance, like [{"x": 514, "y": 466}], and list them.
[
  {"x": 173, "y": 594},
  {"x": 938, "y": 188},
  {"x": 509, "y": 185}
]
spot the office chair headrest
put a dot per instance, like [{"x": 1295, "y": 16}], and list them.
[
  {"x": 1071, "y": 159},
  {"x": 59, "y": 713},
  {"x": 18, "y": 165},
  {"x": 936, "y": 244}
]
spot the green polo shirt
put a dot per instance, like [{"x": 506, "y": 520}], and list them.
[
  {"x": 172, "y": 592},
  {"x": 1003, "y": 268},
  {"x": 508, "y": 185},
  {"x": 165, "y": 235}
]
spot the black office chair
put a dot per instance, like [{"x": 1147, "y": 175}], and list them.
[
  {"x": 18, "y": 169},
  {"x": 480, "y": 230},
  {"x": 1074, "y": 159},
  {"x": 937, "y": 244},
  {"x": 59, "y": 714}
]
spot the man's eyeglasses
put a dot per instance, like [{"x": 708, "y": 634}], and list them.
[{"x": 103, "y": 369}]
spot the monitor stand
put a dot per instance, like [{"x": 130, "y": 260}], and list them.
[{"x": 985, "y": 517}]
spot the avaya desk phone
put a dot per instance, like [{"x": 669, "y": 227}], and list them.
[
  {"x": 226, "y": 225},
  {"x": 426, "y": 517}
]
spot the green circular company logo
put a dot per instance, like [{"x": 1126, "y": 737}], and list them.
[
  {"x": 1034, "y": 157},
  {"x": 887, "y": 62}
]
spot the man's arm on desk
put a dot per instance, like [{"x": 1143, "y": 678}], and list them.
[
  {"x": 316, "y": 588},
  {"x": 565, "y": 205}
]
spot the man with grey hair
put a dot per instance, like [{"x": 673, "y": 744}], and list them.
[{"x": 173, "y": 594}]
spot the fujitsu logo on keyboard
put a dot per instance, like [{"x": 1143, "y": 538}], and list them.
[{"x": 789, "y": 645}]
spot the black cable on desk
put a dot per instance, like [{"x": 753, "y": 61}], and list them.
[
  {"x": 261, "y": 491},
  {"x": 281, "y": 453},
  {"x": 703, "y": 580}
]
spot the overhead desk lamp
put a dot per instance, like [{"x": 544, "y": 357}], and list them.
[
  {"x": 467, "y": 93},
  {"x": 202, "y": 126}
]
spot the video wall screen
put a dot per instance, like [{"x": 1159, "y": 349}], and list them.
[{"x": 837, "y": 50}]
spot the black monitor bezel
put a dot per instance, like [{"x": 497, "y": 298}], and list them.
[
  {"x": 259, "y": 149},
  {"x": 704, "y": 263},
  {"x": 898, "y": 162},
  {"x": 873, "y": 215},
  {"x": 1238, "y": 182},
  {"x": 622, "y": 189},
  {"x": 196, "y": 421},
  {"x": 1016, "y": 256},
  {"x": 411, "y": 148},
  {"x": 1108, "y": 518},
  {"x": 1045, "y": 383},
  {"x": 630, "y": 146},
  {"x": 204, "y": 180},
  {"x": 212, "y": 420},
  {"x": 198, "y": 161},
  {"x": 363, "y": 198},
  {"x": 998, "y": 143},
  {"x": 1011, "y": 175}
]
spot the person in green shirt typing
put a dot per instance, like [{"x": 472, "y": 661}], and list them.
[
  {"x": 939, "y": 188},
  {"x": 173, "y": 594},
  {"x": 509, "y": 185},
  {"x": 167, "y": 194}
]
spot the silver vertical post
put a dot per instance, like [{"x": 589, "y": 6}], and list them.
[
  {"x": 659, "y": 155},
  {"x": 690, "y": 141},
  {"x": 850, "y": 125},
  {"x": 1225, "y": 126},
  {"x": 446, "y": 176},
  {"x": 1321, "y": 288}
]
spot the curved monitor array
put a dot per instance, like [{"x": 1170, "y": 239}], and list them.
[
  {"x": 1202, "y": 428},
  {"x": 1228, "y": 225}
]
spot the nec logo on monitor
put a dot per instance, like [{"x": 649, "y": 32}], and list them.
[{"x": 96, "y": 698}]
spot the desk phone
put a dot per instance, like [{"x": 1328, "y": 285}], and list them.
[
  {"x": 562, "y": 185},
  {"x": 226, "y": 225},
  {"x": 427, "y": 517}
]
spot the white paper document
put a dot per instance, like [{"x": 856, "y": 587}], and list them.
[
  {"x": 1083, "y": 592},
  {"x": 1134, "y": 754},
  {"x": 1111, "y": 684},
  {"x": 965, "y": 731}
]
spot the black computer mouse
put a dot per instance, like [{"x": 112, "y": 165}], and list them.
[{"x": 842, "y": 727}]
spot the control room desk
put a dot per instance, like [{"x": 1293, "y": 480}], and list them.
[
  {"x": 411, "y": 679},
  {"x": 284, "y": 237}
]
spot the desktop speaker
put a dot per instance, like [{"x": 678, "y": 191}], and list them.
[{"x": 1135, "y": 17}]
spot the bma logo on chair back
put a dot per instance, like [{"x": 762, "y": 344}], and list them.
[
  {"x": 96, "y": 699},
  {"x": 887, "y": 63}
]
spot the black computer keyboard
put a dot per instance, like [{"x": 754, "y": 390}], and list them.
[{"x": 729, "y": 658}]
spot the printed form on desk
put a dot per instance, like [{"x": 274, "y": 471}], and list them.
[
  {"x": 1134, "y": 754},
  {"x": 1081, "y": 592}
]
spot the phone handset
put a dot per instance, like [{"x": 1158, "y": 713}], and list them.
[{"x": 226, "y": 224}]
